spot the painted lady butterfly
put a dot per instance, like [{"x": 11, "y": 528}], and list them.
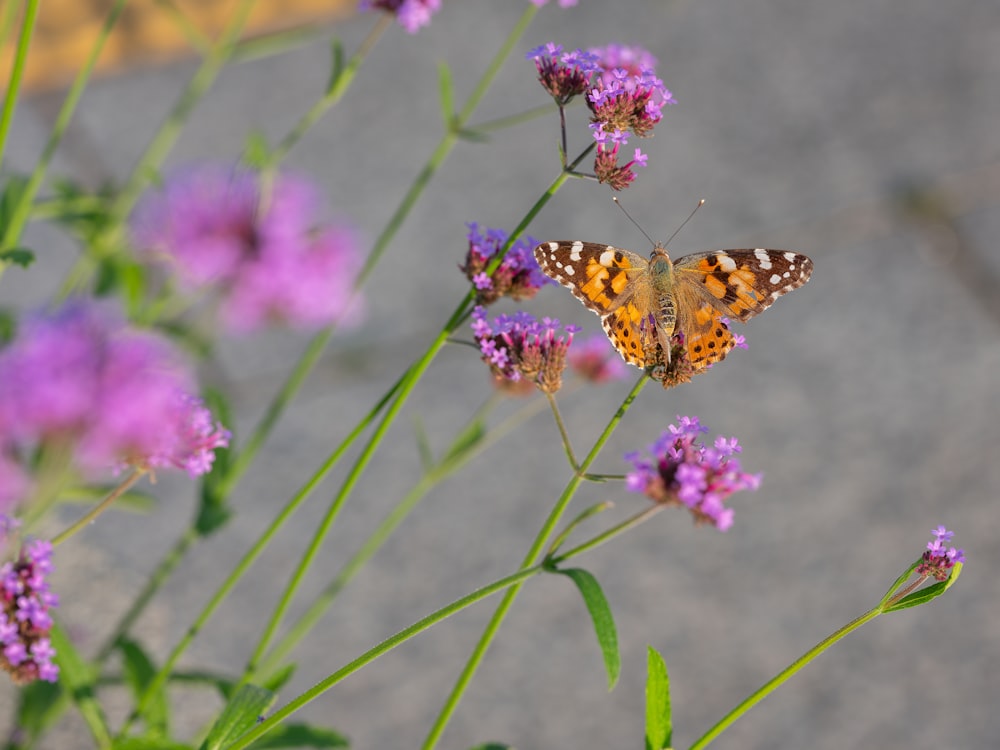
[{"x": 658, "y": 309}]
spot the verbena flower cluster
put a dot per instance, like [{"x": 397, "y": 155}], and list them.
[
  {"x": 939, "y": 558},
  {"x": 594, "y": 359},
  {"x": 25, "y": 600},
  {"x": 685, "y": 471},
  {"x": 518, "y": 275},
  {"x": 624, "y": 95},
  {"x": 520, "y": 347},
  {"x": 260, "y": 248},
  {"x": 81, "y": 384}
]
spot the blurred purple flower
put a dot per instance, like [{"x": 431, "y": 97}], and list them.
[
  {"x": 269, "y": 259},
  {"x": 25, "y": 600},
  {"x": 82, "y": 379},
  {"x": 412, "y": 15},
  {"x": 518, "y": 275},
  {"x": 685, "y": 471},
  {"x": 594, "y": 359}
]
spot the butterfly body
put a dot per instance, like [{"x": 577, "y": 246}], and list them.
[{"x": 649, "y": 307}]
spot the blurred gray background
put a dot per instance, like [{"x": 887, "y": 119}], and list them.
[{"x": 868, "y": 398}]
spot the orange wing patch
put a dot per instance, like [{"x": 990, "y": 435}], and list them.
[{"x": 707, "y": 338}]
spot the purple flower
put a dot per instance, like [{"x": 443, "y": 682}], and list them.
[
  {"x": 267, "y": 258},
  {"x": 518, "y": 275},
  {"x": 564, "y": 76},
  {"x": 939, "y": 558},
  {"x": 562, "y": 3},
  {"x": 520, "y": 348},
  {"x": 595, "y": 360},
  {"x": 83, "y": 380},
  {"x": 412, "y": 15},
  {"x": 25, "y": 600},
  {"x": 685, "y": 471}
]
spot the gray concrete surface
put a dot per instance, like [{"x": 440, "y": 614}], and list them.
[{"x": 869, "y": 398}]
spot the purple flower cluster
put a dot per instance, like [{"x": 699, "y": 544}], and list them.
[
  {"x": 623, "y": 92},
  {"x": 86, "y": 385},
  {"x": 595, "y": 360},
  {"x": 939, "y": 558},
  {"x": 262, "y": 251},
  {"x": 518, "y": 275},
  {"x": 684, "y": 471},
  {"x": 412, "y": 15},
  {"x": 25, "y": 599},
  {"x": 519, "y": 347}
]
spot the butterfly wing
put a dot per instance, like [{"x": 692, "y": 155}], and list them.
[{"x": 612, "y": 282}]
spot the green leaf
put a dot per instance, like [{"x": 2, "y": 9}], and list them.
[
  {"x": 279, "y": 678},
  {"x": 139, "y": 673},
  {"x": 77, "y": 677},
  {"x": 447, "y": 92},
  {"x": 604, "y": 622},
  {"x": 300, "y": 735},
  {"x": 39, "y": 707},
  {"x": 20, "y": 256},
  {"x": 10, "y": 196},
  {"x": 493, "y": 746},
  {"x": 214, "y": 511},
  {"x": 659, "y": 725},
  {"x": 336, "y": 64},
  {"x": 8, "y": 325},
  {"x": 256, "y": 151},
  {"x": 473, "y": 136},
  {"x": 239, "y": 716},
  {"x": 924, "y": 595},
  {"x": 150, "y": 743}
]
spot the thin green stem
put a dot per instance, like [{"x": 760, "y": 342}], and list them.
[
  {"x": 159, "y": 576},
  {"x": 501, "y": 123},
  {"x": 301, "y": 627},
  {"x": 536, "y": 550},
  {"x": 567, "y": 444},
  {"x": 241, "y": 568},
  {"x": 384, "y": 647},
  {"x": 194, "y": 35},
  {"x": 17, "y": 72},
  {"x": 771, "y": 685},
  {"x": 102, "y": 506},
  {"x": 443, "y": 148},
  {"x": 607, "y": 536}
]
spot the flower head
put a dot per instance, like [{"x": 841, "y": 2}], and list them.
[
  {"x": 685, "y": 471},
  {"x": 627, "y": 96},
  {"x": 520, "y": 347},
  {"x": 102, "y": 392},
  {"x": 25, "y": 600},
  {"x": 267, "y": 259},
  {"x": 518, "y": 275},
  {"x": 412, "y": 15},
  {"x": 939, "y": 558},
  {"x": 595, "y": 360},
  {"x": 564, "y": 75}
]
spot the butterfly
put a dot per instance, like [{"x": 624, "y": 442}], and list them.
[{"x": 655, "y": 310}]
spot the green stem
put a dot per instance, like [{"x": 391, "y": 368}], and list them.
[
  {"x": 769, "y": 687},
  {"x": 607, "y": 536},
  {"x": 443, "y": 148},
  {"x": 153, "y": 585},
  {"x": 384, "y": 647},
  {"x": 385, "y": 529},
  {"x": 17, "y": 72},
  {"x": 567, "y": 445},
  {"x": 102, "y": 506},
  {"x": 536, "y": 550},
  {"x": 237, "y": 573}
]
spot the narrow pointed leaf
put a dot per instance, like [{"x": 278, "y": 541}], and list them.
[
  {"x": 659, "y": 725},
  {"x": 39, "y": 707},
  {"x": 926, "y": 594},
  {"x": 336, "y": 64},
  {"x": 139, "y": 673},
  {"x": 279, "y": 678},
  {"x": 465, "y": 441},
  {"x": 77, "y": 677},
  {"x": 20, "y": 256},
  {"x": 600, "y": 614},
  {"x": 150, "y": 743},
  {"x": 239, "y": 716},
  {"x": 447, "y": 96}
]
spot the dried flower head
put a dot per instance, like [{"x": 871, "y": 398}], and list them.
[
  {"x": 267, "y": 258},
  {"x": 25, "y": 600},
  {"x": 518, "y": 275},
  {"x": 520, "y": 347},
  {"x": 939, "y": 558},
  {"x": 685, "y": 471}
]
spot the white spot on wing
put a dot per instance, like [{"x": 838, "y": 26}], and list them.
[
  {"x": 574, "y": 251},
  {"x": 775, "y": 278},
  {"x": 569, "y": 270},
  {"x": 790, "y": 257},
  {"x": 764, "y": 258},
  {"x": 726, "y": 263},
  {"x": 607, "y": 257}
]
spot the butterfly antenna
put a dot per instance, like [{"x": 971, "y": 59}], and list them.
[
  {"x": 690, "y": 216},
  {"x": 619, "y": 204}
]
